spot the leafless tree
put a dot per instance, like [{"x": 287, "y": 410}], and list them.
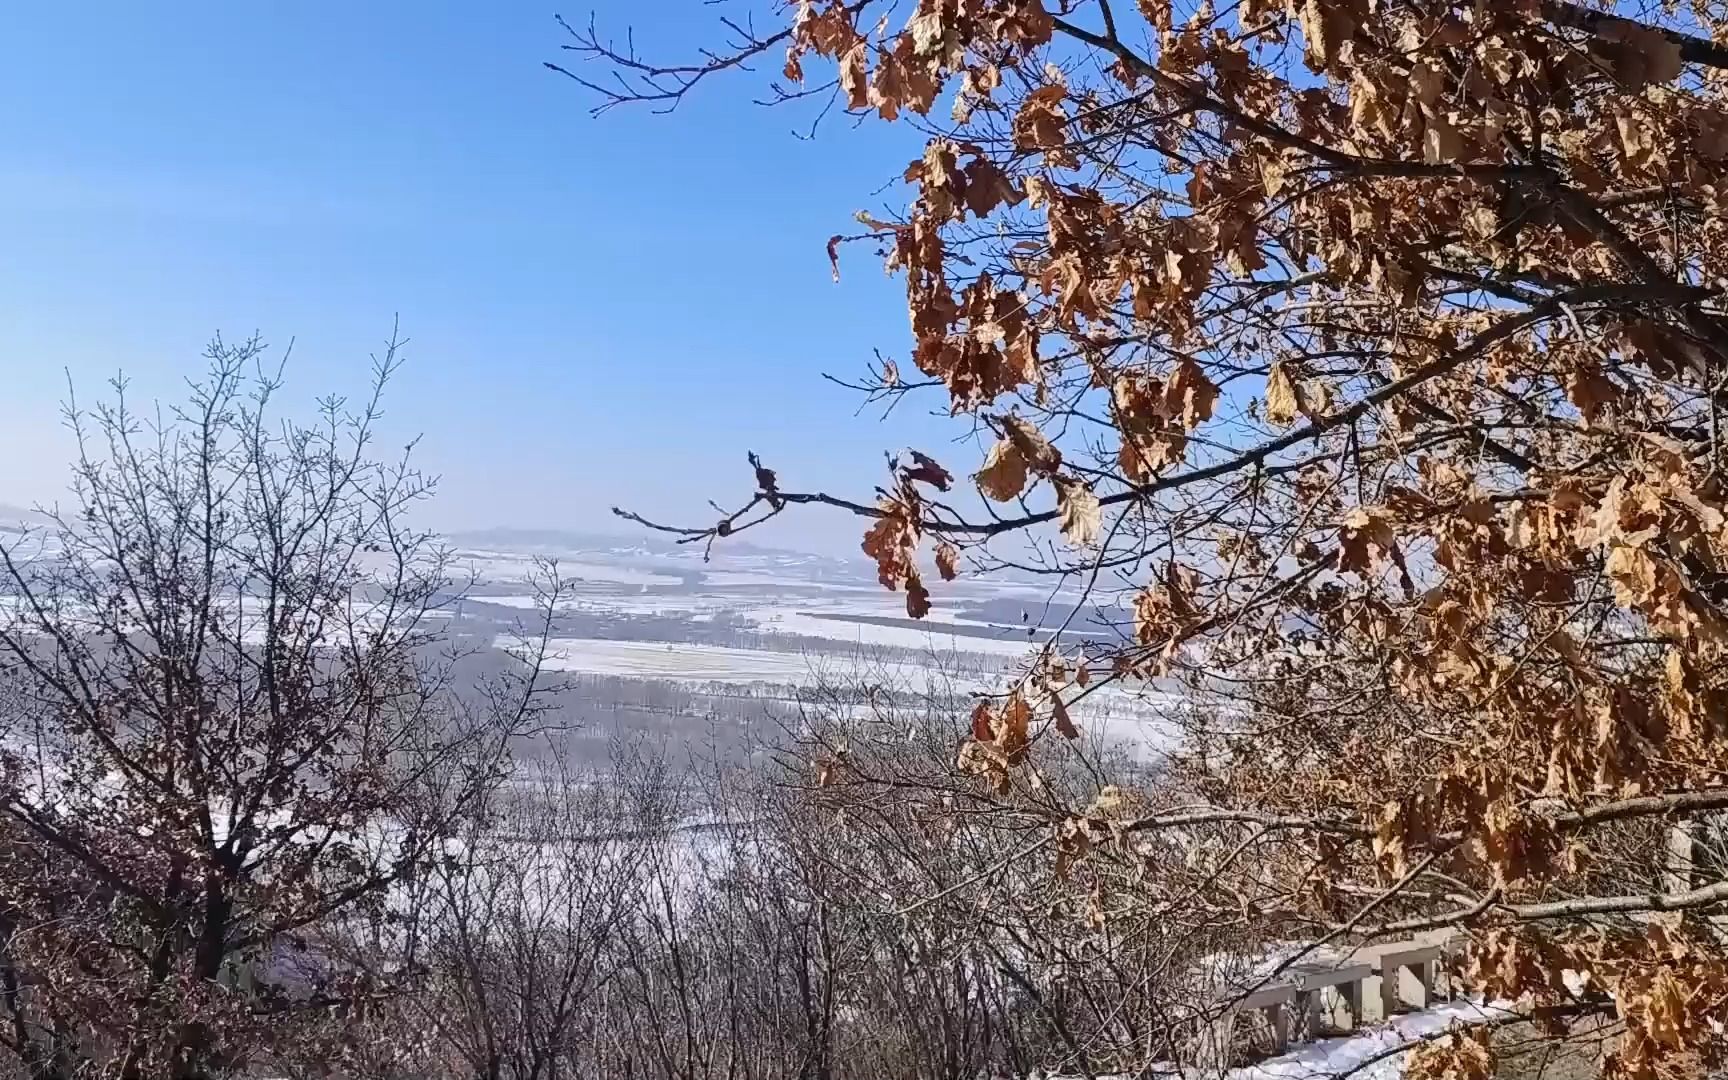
[
  {"x": 229, "y": 733},
  {"x": 517, "y": 923}
]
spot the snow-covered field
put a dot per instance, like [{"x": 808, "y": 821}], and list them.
[
  {"x": 640, "y": 608},
  {"x": 508, "y": 566},
  {"x": 936, "y": 634},
  {"x": 795, "y": 609},
  {"x": 1136, "y": 720},
  {"x": 686, "y": 662},
  {"x": 1371, "y": 1054},
  {"x": 817, "y": 620}
]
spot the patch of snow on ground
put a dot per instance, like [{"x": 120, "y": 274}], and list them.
[{"x": 1329, "y": 1057}]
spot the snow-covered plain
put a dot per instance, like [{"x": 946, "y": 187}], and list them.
[
  {"x": 758, "y": 619},
  {"x": 637, "y": 608},
  {"x": 942, "y": 635},
  {"x": 687, "y": 662},
  {"x": 509, "y": 566},
  {"x": 831, "y": 618}
]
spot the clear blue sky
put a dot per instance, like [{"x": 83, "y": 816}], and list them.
[{"x": 601, "y": 311}]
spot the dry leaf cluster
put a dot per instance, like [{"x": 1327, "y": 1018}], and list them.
[{"x": 1369, "y": 359}]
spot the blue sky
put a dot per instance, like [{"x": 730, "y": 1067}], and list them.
[{"x": 601, "y": 311}]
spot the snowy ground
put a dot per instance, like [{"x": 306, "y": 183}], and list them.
[
  {"x": 837, "y": 625},
  {"x": 828, "y": 615},
  {"x": 1378, "y": 1052},
  {"x": 936, "y": 634},
  {"x": 749, "y": 616},
  {"x": 1370, "y": 1052},
  {"x": 686, "y": 662},
  {"x": 510, "y": 566}
]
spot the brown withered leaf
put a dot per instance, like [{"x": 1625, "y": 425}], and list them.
[
  {"x": 882, "y": 543},
  {"x": 1591, "y": 391},
  {"x": 854, "y": 79},
  {"x": 1327, "y": 26},
  {"x": 1146, "y": 410},
  {"x": 1190, "y": 394},
  {"x": 983, "y": 759},
  {"x": 1180, "y": 584},
  {"x": 988, "y": 187},
  {"x": 1282, "y": 404},
  {"x": 1517, "y": 846},
  {"x": 925, "y": 469},
  {"x": 1638, "y": 577},
  {"x": 939, "y": 178},
  {"x": 1464, "y": 1053},
  {"x": 892, "y": 542},
  {"x": 1013, "y": 727},
  {"x": 1074, "y": 839},
  {"x": 917, "y": 596},
  {"x": 1079, "y": 510},
  {"x": 825, "y": 770},
  {"x": 1399, "y": 832},
  {"x": 766, "y": 482},
  {"x": 1041, "y": 124},
  {"x": 1366, "y": 538},
  {"x": 1406, "y": 505},
  {"x": 927, "y": 31},
  {"x": 983, "y": 722},
  {"x": 1064, "y": 724},
  {"x": 1442, "y": 141},
  {"x": 1040, "y": 455},
  {"x": 947, "y": 561},
  {"x": 887, "y": 87},
  {"x": 1660, "y": 1009},
  {"x": 1152, "y": 622},
  {"x": 1163, "y": 611},
  {"x": 1003, "y": 476},
  {"x": 1638, "y": 55},
  {"x": 1156, "y": 12},
  {"x": 828, "y": 32}
]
